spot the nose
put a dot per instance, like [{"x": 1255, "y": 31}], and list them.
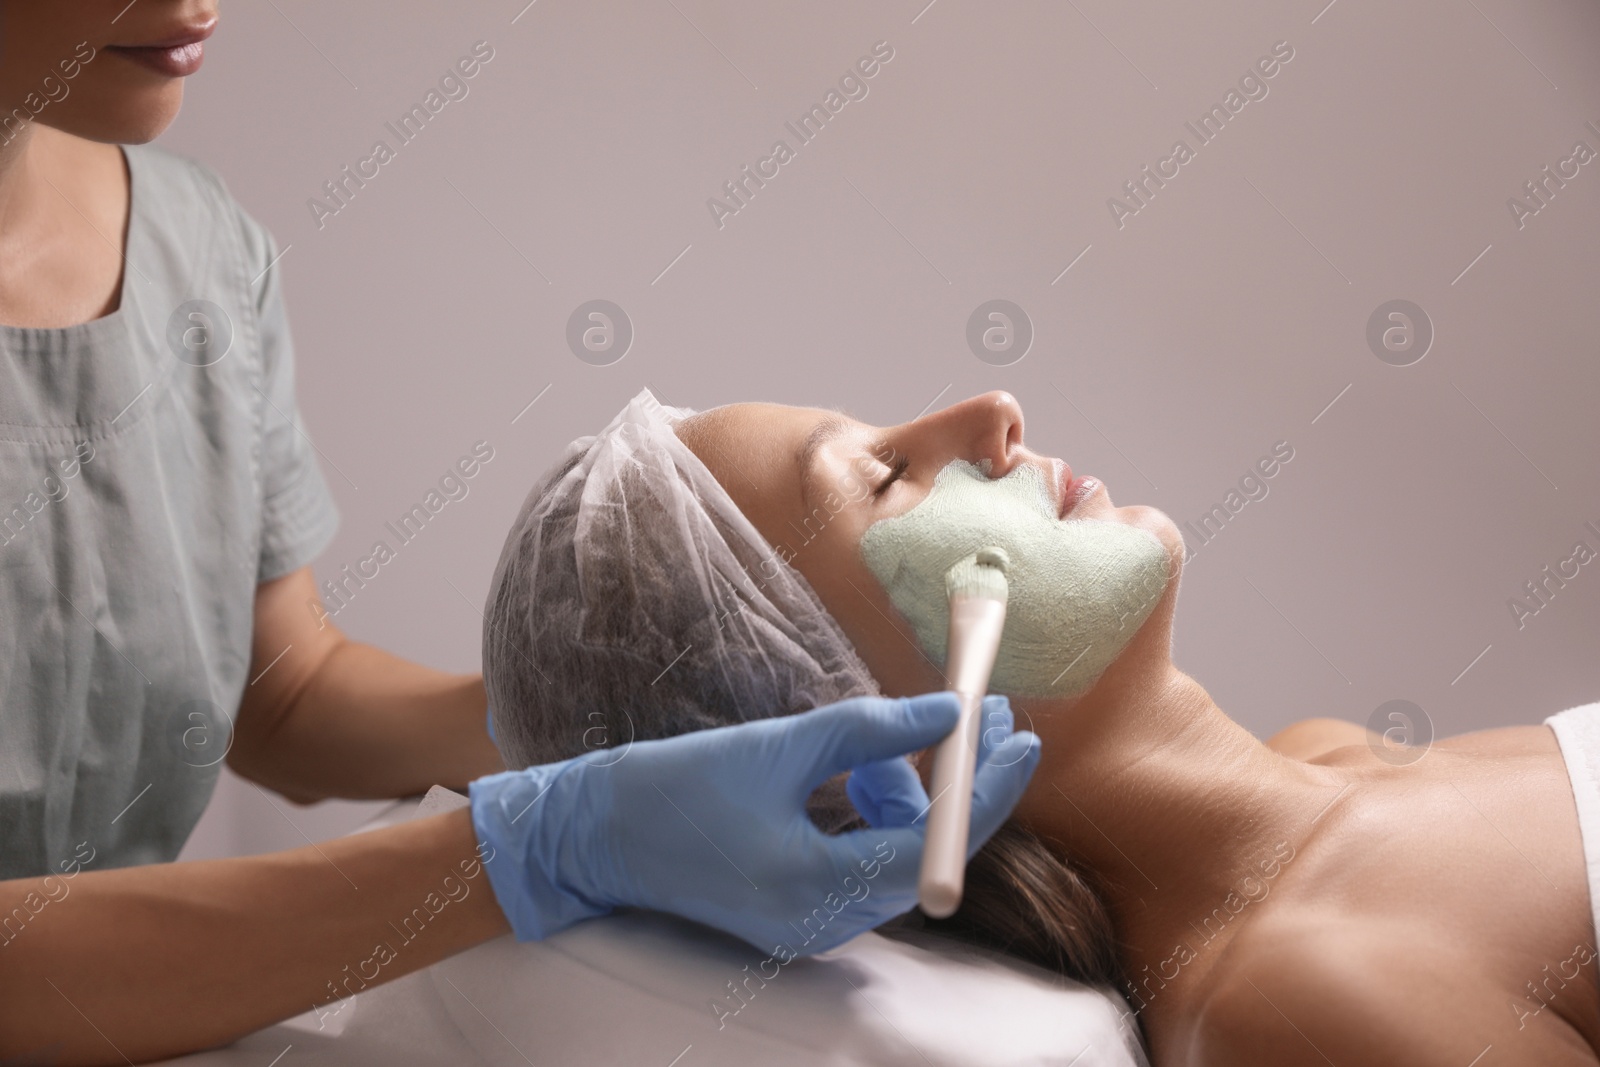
[{"x": 982, "y": 428}]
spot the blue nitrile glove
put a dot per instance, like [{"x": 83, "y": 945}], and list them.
[
  {"x": 712, "y": 825},
  {"x": 890, "y": 792},
  {"x": 489, "y": 715}
]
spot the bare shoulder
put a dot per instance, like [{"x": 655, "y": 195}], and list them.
[
  {"x": 1311, "y": 739},
  {"x": 1315, "y": 990},
  {"x": 1505, "y": 741},
  {"x": 1303, "y": 1011},
  {"x": 1337, "y": 742}
]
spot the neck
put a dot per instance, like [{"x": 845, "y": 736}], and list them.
[
  {"x": 19, "y": 183},
  {"x": 31, "y": 162},
  {"x": 1183, "y": 814}
]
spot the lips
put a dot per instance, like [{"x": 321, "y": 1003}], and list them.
[
  {"x": 1072, "y": 491},
  {"x": 177, "y": 55}
]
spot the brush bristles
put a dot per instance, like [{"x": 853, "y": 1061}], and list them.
[{"x": 980, "y": 575}]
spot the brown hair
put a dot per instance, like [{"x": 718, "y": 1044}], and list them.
[{"x": 1020, "y": 898}]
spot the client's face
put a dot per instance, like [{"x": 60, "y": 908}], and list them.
[{"x": 874, "y": 516}]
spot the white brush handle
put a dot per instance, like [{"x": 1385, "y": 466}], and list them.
[{"x": 975, "y": 625}]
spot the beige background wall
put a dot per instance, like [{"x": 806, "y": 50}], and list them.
[{"x": 1223, "y": 316}]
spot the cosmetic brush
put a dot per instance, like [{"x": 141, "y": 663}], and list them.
[{"x": 977, "y": 590}]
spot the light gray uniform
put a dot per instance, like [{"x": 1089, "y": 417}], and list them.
[{"x": 142, "y": 498}]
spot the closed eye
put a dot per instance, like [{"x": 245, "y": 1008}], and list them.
[{"x": 895, "y": 472}]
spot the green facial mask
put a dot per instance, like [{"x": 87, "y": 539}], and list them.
[{"x": 1077, "y": 589}]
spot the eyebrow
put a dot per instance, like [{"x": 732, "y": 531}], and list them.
[{"x": 805, "y": 456}]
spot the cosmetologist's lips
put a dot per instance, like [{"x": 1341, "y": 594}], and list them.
[{"x": 176, "y": 55}]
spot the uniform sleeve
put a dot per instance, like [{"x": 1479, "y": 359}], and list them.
[{"x": 298, "y": 516}]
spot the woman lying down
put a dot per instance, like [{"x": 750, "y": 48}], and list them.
[{"x": 1299, "y": 901}]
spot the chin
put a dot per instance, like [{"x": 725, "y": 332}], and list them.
[
  {"x": 137, "y": 117},
  {"x": 1158, "y": 523}
]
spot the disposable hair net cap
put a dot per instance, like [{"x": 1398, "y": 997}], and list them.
[{"x": 634, "y": 600}]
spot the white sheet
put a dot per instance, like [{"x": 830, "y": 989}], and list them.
[{"x": 639, "y": 987}]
